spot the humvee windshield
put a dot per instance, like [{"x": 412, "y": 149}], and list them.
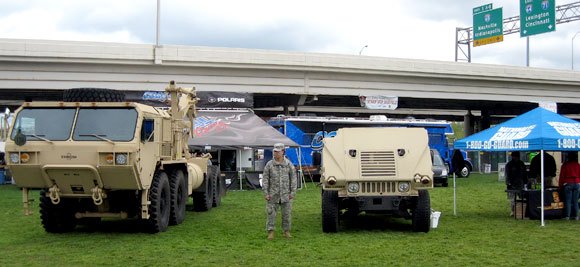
[
  {"x": 55, "y": 124},
  {"x": 115, "y": 124},
  {"x": 49, "y": 123}
]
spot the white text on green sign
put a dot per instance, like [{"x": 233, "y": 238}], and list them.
[{"x": 483, "y": 8}]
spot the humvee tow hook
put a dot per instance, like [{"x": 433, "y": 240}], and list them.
[{"x": 54, "y": 194}]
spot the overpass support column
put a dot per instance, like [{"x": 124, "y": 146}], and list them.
[
  {"x": 485, "y": 119},
  {"x": 468, "y": 124}
]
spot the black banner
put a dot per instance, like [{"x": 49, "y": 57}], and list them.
[{"x": 225, "y": 100}]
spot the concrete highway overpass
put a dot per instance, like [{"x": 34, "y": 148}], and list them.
[{"x": 41, "y": 69}]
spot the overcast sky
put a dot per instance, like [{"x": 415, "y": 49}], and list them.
[{"x": 421, "y": 29}]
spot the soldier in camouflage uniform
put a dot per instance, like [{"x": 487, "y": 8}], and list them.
[{"x": 279, "y": 186}]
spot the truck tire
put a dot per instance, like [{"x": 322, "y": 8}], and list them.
[
  {"x": 330, "y": 219},
  {"x": 159, "y": 209},
  {"x": 422, "y": 213},
  {"x": 217, "y": 188},
  {"x": 178, "y": 189},
  {"x": 58, "y": 218},
  {"x": 465, "y": 171},
  {"x": 202, "y": 201},
  {"x": 92, "y": 95}
]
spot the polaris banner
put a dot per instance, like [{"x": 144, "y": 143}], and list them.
[
  {"x": 379, "y": 102},
  {"x": 225, "y": 100}
]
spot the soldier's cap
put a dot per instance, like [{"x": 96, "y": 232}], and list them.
[{"x": 279, "y": 147}]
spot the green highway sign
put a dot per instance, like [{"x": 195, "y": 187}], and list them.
[
  {"x": 487, "y": 25},
  {"x": 537, "y": 16}
]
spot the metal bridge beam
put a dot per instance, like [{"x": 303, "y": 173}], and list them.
[{"x": 464, "y": 36}]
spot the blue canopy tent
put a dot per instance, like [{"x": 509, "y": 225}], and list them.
[{"x": 538, "y": 129}]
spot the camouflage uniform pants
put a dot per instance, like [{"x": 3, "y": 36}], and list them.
[{"x": 271, "y": 212}]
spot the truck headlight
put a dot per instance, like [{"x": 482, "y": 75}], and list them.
[
  {"x": 121, "y": 159},
  {"x": 109, "y": 158},
  {"x": 404, "y": 186},
  {"x": 24, "y": 157},
  {"x": 14, "y": 158},
  {"x": 353, "y": 187}
]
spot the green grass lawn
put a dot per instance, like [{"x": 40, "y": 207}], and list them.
[{"x": 482, "y": 234}]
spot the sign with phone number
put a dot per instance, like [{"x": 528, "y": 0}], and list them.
[{"x": 569, "y": 143}]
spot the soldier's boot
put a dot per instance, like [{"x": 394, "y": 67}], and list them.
[
  {"x": 270, "y": 235},
  {"x": 287, "y": 234}
]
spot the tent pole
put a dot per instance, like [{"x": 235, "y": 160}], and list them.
[
  {"x": 542, "y": 186},
  {"x": 239, "y": 162},
  {"x": 454, "y": 196}
]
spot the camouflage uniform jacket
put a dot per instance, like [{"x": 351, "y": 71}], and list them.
[{"x": 279, "y": 181}]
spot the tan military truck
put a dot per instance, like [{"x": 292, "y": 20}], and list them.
[
  {"x": 376, "y": 170},
  {"x": 96, "y": 156}
]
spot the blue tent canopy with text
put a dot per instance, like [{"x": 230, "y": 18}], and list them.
[{"x": 538, "y": 129}]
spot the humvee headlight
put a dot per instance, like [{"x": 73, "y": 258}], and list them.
[
  {"x": 404, "y": 186},
  {"x": 109, "y": 159},
  {"x": 121, "y": 159},
  {"x": 353, "y": 187},
  {"x": 24, "y": 157},
  {"x": 14, "y": 158}
]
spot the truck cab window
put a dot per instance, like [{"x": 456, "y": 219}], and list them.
[{"x": 147, "y": 131}]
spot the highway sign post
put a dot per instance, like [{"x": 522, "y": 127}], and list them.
[
  {"x": 487, "y": 25},
  {"x": 537, "y": 16}
]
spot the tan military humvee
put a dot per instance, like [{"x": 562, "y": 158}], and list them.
[
  {"x": 94, "y": 159},
  {"x": 377, "y": 170}
]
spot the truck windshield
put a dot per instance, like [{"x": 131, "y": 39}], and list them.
[
  {"x": 44, "y": 123},
  {"x": 105, "y": 124}
]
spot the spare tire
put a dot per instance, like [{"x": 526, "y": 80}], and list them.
[{"x": 93, "y": 95}]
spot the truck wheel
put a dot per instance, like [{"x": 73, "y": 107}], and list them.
[
  {"x": 422, "y": 213},
  {"x": 178, "y": 189},
  {"x": 159, "y": 195},
  {"x": 465, "y": 172},
  {"x": 92, "y": 95},
  {"x": 217, "y": 186},
  {"x": 58, "y": 218},
  {"x": 330, "y": 220},
  {"x": 202, "y": 201}
]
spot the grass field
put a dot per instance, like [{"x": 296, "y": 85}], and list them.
[{"x": 482, "y": 234}]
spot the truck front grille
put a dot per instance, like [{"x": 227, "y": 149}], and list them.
[
  {"x": 378, "y": 164},
  {"x": 378, "y": 187}
]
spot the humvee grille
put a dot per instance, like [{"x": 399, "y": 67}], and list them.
[
  {"x": 378, "y": 187},
  {"x": 378, "y": 164}
]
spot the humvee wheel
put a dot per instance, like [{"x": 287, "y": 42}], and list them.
[
  {"x": 159, "y": 195},
  {"x": 422, "y": 213},
  {"x": 202, "y": 201},
  {"x": 330, "y": 220},
  {"x": 92, "y": 95},
  {"x": 217, "y": 186},
  {"x": 58, "y": 218},
  {"x": 178, "y": 189}
]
